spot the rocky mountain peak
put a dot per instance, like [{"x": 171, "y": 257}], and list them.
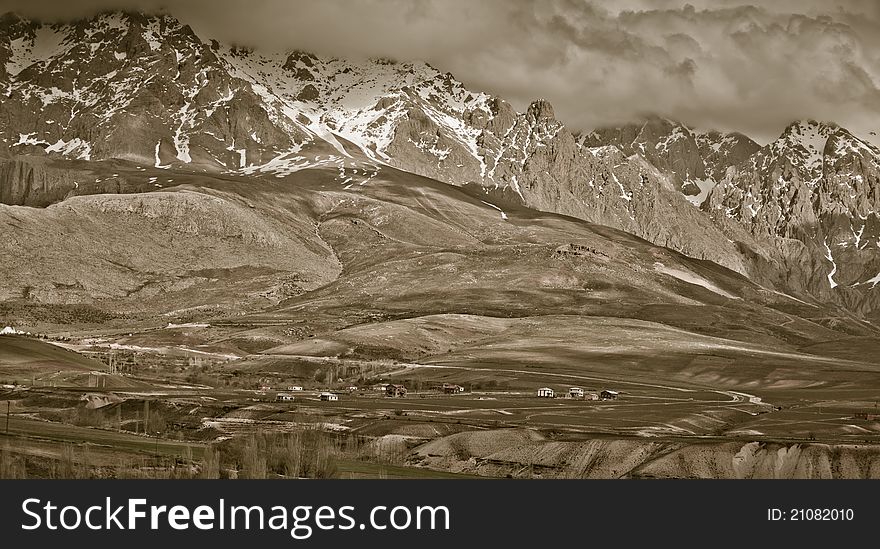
[
  {"x": 808, "y": 137},
  {"x": 721, "y": 150},
  {"x": 540, "y": 110},
  {"x": 812, "y": 148},
  {"x": 668, "y": 145},
  {"x": 807, "y": 128},
  {"x": 13, "y": 26}
]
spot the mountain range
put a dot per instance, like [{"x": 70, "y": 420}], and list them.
[{"x": 110, "y": 104}]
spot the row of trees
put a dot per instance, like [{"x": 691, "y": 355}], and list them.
[
  {"x": 140, "y": 419},
  {"x": 306, "y": 452}
]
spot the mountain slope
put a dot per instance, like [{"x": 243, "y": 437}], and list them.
[
  {"x": 335, "y": 255},
  {"x": 807, "y": 200},
  {"x": 146, "y": 89},
  {"x": 157, "y": 244}
]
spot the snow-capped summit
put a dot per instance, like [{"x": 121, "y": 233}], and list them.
[
  {"x": 146, "y": 88},
  {"x": 817, "y": 184},
  {"x": 695, "y": 160},
  {"x": 803, "y": 145},
  {"x": 131, "y": 86},
  {"x": 665, "y": 143}
]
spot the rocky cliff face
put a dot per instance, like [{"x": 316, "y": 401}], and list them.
[
  {"x": 134, "y": 87},
  {"x": 668, "y": 145},
  {"x": 720, "y": 151},
  {"x": 694, "y": 160},
  {"x": 807, "y": 201},
  {"x": 812, "y": 197},
  {"x": 30, "y": 182},
  {"x": 519, "y": 454}
]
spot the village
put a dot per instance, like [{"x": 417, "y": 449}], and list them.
[
  {"x": 393, "y": 390},
  {"x": 168, "y": 410},
  {"x": 156, "y": 405}
]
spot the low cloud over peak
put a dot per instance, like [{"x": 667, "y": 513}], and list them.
[{"x": 710, "y": 63}]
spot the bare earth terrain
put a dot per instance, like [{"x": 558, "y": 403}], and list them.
[{"x": 168, "y": 324}]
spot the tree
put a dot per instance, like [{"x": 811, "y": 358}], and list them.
[
  {"x": 210, "y": 463},
  {"x": 254, "y": 463}
]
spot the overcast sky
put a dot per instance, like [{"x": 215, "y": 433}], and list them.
[{"x": 726, "y": 64}]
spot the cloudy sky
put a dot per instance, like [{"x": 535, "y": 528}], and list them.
[{"x": 727, "y": 64}]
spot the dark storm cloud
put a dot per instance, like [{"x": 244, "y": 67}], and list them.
[{"x": 711, "y": 63}]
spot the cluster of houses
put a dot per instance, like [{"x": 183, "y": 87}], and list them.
[
  {"x": 578, "y": 393},
  {"x": 396, "y": 391},
  {"x": 393, "y": 390},
  {"x": 323, "y": 395},
  {"x": 390, "y": 389}
]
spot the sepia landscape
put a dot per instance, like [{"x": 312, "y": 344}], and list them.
[{"x": 233, "y": 261}]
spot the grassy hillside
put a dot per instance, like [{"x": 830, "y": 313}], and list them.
[{"x": 22, "y": 358}]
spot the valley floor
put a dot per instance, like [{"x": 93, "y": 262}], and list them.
[{"x": 155, "y": 424}]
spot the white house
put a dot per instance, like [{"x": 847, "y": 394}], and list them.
[
  {"x": 546, "y": 392},
  {"x": 294, "y": 388},
  {"x": 328, "y": 396},
  {"x": 575, "y": 392},
  {"x": 284, "y": 397}
]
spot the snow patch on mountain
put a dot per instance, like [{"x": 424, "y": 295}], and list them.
[
  {"x": 503, "y": 214},
  {"x": 872, "y": 281},
  {"x": 46, "y": 42},
  {"x": 665, "y": 142},
  {"x": 705, "y": 186},
  {"x": 830, "y": 258},
  {"x": 812, "y": 137},
  {"x": 692, "y": 278},
  {"x": 157, "y": 160},
  {"x": 76, "y": 148}
]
